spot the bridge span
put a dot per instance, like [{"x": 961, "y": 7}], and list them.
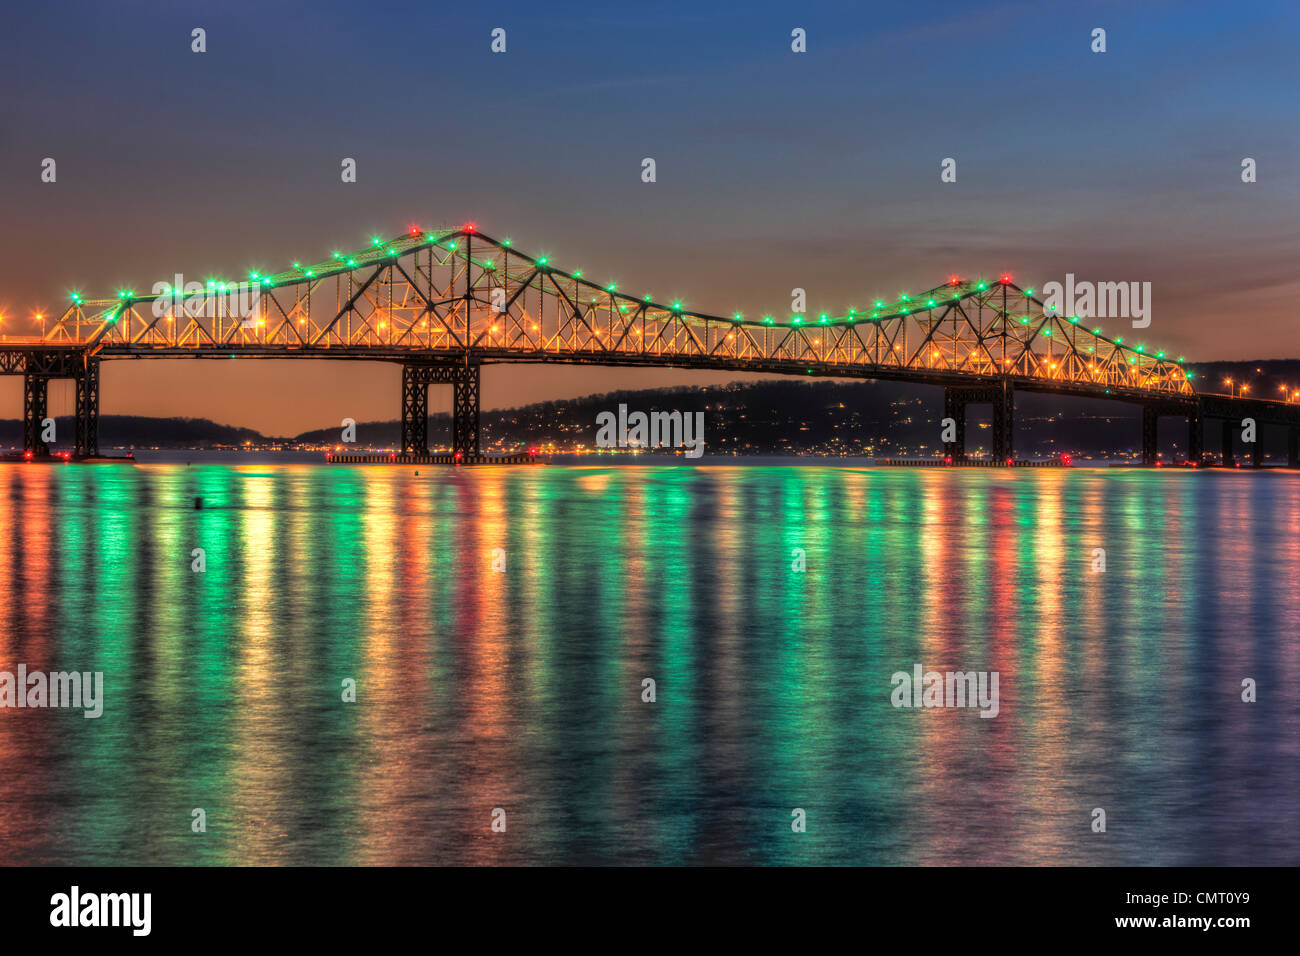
[{"x": 443, "y": 304}]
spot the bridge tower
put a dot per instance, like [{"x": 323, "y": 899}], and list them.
[
  {"x": 464, "y": 379},
  {"x": 1001, "y": 397},
  {"x": 86, "y": 441},
  {"x": 36, "y": 391},
  {"x": 1229, "y": 461},
  {"x": 40, "y": 366}
]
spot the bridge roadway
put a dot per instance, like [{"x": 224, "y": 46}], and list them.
[
  {"x": 40, "y": 362},
  {"x": 443, "y": 304}
]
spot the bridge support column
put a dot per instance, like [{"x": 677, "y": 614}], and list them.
[
  {"x": 1150, "y": 433},
  {"x": 465, "y": 409},
  {"x": 1256, "y": 450},
  {"x": 86, "y": 442},
  {"x": 1004, "y": 424},
  {"x": 1195, "y": 437},
  {"x": 1229, "y": 460},
  {"x": 415, "y": 410},
  {"x": 1293, "y": 446},
  {"x": 36, "y": 390},
  {"x": 464, "y": 380},
  {"x": 954, "y": 407}
]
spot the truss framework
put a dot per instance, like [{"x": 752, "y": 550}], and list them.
[{"x": 466, "y": 295}]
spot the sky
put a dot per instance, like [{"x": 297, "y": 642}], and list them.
[{"x": 775, "y": 170}]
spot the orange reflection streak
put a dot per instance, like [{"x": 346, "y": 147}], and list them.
[
  {"x": 26, "y": 737},
  {"x": 482, "y": 640},
  {"x": 1044, "y": 796},
  {"x": 384, "y": 680},
  {"x": 1000, "y": 816},
  {"x": 940, "y": 731},
  {"x": 260, "y": 764}
]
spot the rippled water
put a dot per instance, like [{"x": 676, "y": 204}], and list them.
[{"x": 522, "y": 689}]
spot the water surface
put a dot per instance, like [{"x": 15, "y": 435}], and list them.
[{"x": 521, "y": 688}]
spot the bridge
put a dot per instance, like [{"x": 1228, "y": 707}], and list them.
[{"x": 442, "y": 304}]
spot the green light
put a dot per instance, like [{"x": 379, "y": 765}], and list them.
[
  {"x": 1119, "y": 341},
  {"x": 309, "y": 273},
  {"x": 542, "y": 261},
  {"x": 823, "y": 317},
  {"x": 488, "y": 265},
  {"x": 252, "y": 275},
  {"x": 578, "y": 274},
  {"x": 1190, "y": 374},
  {"x": 430, "y": 237},
  {"x": 931, "y": 302},
  {"x": 1029, "y": 292},
  {"x": 879, "y": 304},
  {"x": 505, "y": 242},
  {"x": 1142, "y": 348},
  {"x": 795, "y": 319},
  {"x": 737, "y": 316},
  {"x": 677, "y": 307},
  {"x": 903, "y": 298},
  {"x": 611, "y": 287},
  {"x": 982, "y": 286},
  {"x": 1074, "y": 319},
  {"x": 337, "y": 255},
  {"x": 374, "y": 241},
  {"x": 767, "y": 319},
  {"x": 351, "y": 262},
  {"x": 297, "y": 265},
  {"x": 1096, "y": 331},
  {"x": 1047, "y": 332}
]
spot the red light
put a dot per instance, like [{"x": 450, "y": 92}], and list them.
[
  {"x": 1008, "y": 461},
  {"x": 947, "y": 459},
  {"x": 27, "y": 455},
  {"x": 953, "y": 280},
  {"x": 1065, "y": 460},
  {"x": 414, "y": 232},
  {"x": 1005, "y": 279},
  {"x": 469, "y": 227},
  {"x": 458, "y": 455}
]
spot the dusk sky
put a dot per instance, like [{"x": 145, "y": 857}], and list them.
[{"x": 775, "y": 169}]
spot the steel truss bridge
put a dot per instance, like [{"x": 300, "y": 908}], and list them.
[{"x": 445, "y": 303}]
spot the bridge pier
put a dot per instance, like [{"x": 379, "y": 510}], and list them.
[
  {"x": 954, "y": 407},
  {"x": 1256, "y": 451},
  {"x": 86, "y": 440},
  {"x": 464, "y": 380},
  {"x": 36, "y": 391},
  {"x": 1002, "y": 397},
  {"x": 1150, "y": 434},
  {"x": 1293, "y": 447},
  {"x": 1195, "y": 437},
  {"x": 1229, "y": 460},
  {"x": 1004, "y": 423}
]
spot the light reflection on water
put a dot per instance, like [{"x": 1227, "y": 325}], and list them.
[{"x": 521, "y": 689}]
